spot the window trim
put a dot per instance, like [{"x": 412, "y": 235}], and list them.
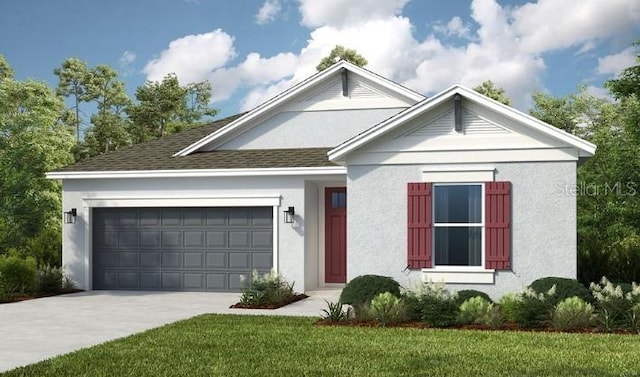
[{"x": 481, "y": 225}]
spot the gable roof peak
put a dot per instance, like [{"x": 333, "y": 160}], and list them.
[{"x": 316, "y": 79}]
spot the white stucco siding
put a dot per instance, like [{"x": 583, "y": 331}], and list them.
[
  {"x": 309, "y": 129},
  {"x": 82, "y": 194},
  {"x": 543, "y": 223}
]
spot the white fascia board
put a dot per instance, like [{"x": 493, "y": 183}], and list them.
[
  {"x": 333, "y": 170},
  {"x": 585, "y": 148},
  {"x": 294, "y": 90}
]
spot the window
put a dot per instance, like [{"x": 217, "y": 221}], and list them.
[
  {"x": 463, "y": 226},
  {"x": 457, "y": 224}
]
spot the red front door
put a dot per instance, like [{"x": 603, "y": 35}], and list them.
[{"x": 335, "y": 235}]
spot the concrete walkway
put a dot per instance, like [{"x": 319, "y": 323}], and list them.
[{"x": 35, "y": 330}]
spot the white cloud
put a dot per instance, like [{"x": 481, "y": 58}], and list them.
[
  {"x": 347, "y": 12},
  {"x": 599, "y": 92},
  {"x": 502, "y": 44},
  {"x": 614, "y": 64},
  {"x": 193, "y": 57},
  {"x": 127, "y": 58},
  {"x": 253, "y": 71},
  {"x": 268, "y": 12},
  {"x": 550, "y": 24}
]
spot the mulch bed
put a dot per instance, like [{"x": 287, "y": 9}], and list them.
[
  {"x": 40, "y": 295},
  {"x": 505, "y": 327},
  {"x": 296, "y": 297}
]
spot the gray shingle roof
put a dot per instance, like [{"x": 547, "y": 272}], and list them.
[{"x": 158, "y": 155}]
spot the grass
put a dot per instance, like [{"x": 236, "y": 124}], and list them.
[{"x": 228, "y": 345}]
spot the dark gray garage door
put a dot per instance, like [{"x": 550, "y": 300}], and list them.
[{"x": 180, "y": 249}]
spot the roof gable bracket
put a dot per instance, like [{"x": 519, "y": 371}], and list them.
[
  {"x": 457, "y": 109},
  {"x": 345, "y": 82}
]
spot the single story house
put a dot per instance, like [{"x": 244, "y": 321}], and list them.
[{"x": 344, "y": 174}]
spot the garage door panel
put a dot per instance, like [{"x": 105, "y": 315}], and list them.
[
  {"x": 171, "y": 217},
  {"x": 239, "y": 238},
  {"x": 194, "y": 260},
  {"x": 172, "y": 280},
  {"x": 240, "y": 217},
  {"x": 172, "y": 260},
  {"x": 262, "y": 239},
  {"x": 194, "y": 281},
  {"x": 150, "y": 216},
  {"x": 235, "y": 281},
  {"x": 108, "y": 239},
  {"x": 193, "y": 249},
  {"x": 150, "y": 259},
  {"x": 239, "y": 261},
  {"x": 128, "y": 238},
  {"x": 150, "y": 238},
  {"x": 261, "y": 261},
  {"x": 217, "y": 282},
  {"x": 262, "y": 217},
  {"x": 217, "y": 239},
  {"x": 107, "y": 259},
  {"x": 217, "y": 216},
  {"x": 128, "y": 259},
  {"x": 150, "y": 280},
  {"x": 217, "y": 260},
  {"x": 194, "y": 238},
  {"x": 171, "y": 238},
  {"x": 128, "y": 217},
  {"x": 128, "y": 280},
  {"x": 194, "y": 217}
]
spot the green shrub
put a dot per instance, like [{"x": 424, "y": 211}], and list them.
[
  {"x": 474, "y": 310},
  {"x": 633, "y": 318},
  {"x": 572, "y": 313},
  {"x": 466, "y": 294},
  {"x": 616, "y": 304},
  {"x": 432, "y": 303},
  {"x": 387, "y": 309},
  {"x": 335, "y": 312},
  {"x": 528, "y": 308},
  {"x": 18, "y": 274},
  {"x": 49, "y": 279},
  {"x": 509, "y": 304},
  {"x": 268, "y": 289},
  {"x": 362, "y": 289},
  {"x": 565, "y": 288}
]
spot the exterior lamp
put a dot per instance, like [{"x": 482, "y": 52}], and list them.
[
  {"x": 70, "y": 216},
  {"x": 288, "y": 215}
]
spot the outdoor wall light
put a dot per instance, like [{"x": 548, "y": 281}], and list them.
[
  {"x": 70, "y": 216},
  {"x": 288, "y": 215}
]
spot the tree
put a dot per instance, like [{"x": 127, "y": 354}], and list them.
[
  {"x": 608, "y": 204},
  {"x": 165, "y": 107},
  {"x": 488, "y": 89},
  {"x": 340, "y": 53},
  {"x": 109, "y": 124},
  {"x": 628, "y": 82},
  {"x": 577, "y": 113},
  {"x": 73, "y": 76},
  {"x": 6, "y": 72},
  {"x": 33, "y": 141}
]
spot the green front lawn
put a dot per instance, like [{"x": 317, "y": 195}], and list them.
[{"x": 228, "y": 345}]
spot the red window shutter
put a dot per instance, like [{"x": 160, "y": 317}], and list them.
[
  {"x": 498, "y": 225},
  {"x": 419, "y": 225}
]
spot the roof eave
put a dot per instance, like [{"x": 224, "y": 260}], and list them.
[
  {"x": 193, "y": 173},
  {"x": 338, "y": 154}
]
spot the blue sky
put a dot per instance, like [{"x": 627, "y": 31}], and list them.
[{"x": 252, "y": 49}]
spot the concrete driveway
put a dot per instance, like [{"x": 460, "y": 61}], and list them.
[{"x": 35, "y": 330}]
